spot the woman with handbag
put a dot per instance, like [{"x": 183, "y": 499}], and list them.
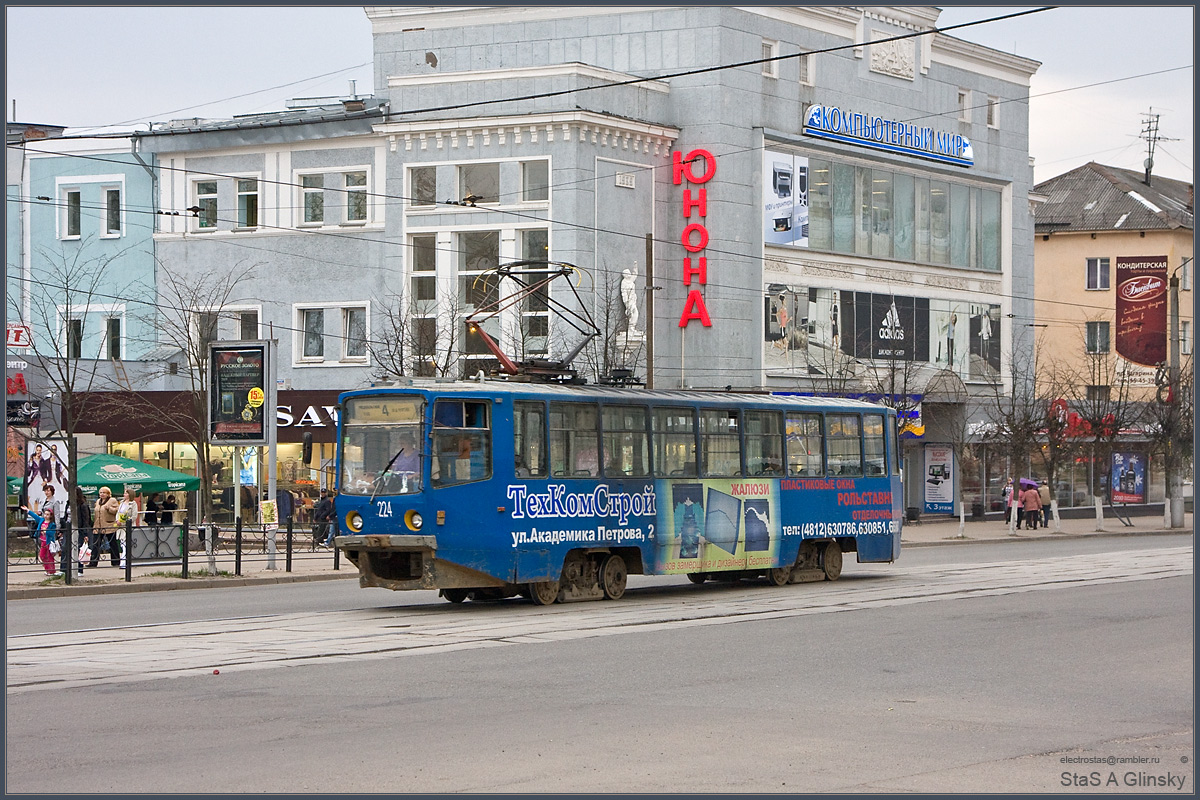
[{"x": 47, "y": 536}]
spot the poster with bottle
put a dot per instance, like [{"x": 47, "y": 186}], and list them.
[
  {"x": 688, "y": 502},
  {"x": 1128, "y": 478}
]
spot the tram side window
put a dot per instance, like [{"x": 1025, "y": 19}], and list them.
[
  {"x": 720, "y": 443},
  {"x": 845, "y": 445},
  {"x": 529, "y": 439},
  {"x": 574, "y": 440},
  {"x": 805, "y": 445},
  {"x": 894, "y": 438},
  {"x": 626, "y": 443},
  {"x": 874, "y": 444},
  {"x": 462, "y": 441},
  {"x": 675, "y": 442},
  {"x": 764, "y": 443}
]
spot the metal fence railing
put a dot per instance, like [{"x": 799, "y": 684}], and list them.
[{"x": 213, "y": 546}]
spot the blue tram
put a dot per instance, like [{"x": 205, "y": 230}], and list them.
[{"x": 492, "y": 489}]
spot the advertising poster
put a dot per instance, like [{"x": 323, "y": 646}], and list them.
[
  {"x": 939, "y": 479},
  {"x": 1128, "y": 478},
  {"x": 237, "y": 394},
  {"x": 721, "y": 524},
  {"x": 46, "y": 464},
  {"x": 1141, "y": 335},
  {"x": 785, "y": 199}
]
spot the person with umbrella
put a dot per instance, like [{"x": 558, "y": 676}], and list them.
[{"x": 1032, "y": 503}]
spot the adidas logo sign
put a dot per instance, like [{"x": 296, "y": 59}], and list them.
[{"x": 891, "y": 328}]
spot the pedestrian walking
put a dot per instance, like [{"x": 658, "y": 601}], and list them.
[
  {"x": 47, "y": 535},
  {"x": 105, "y": 513},
  {"x": 322, "y": 519},
  {"x": 1018, "y": 505},
  {"x": 1007, "y": 494},
  {"x": 1045, "y": 497},
  {"x": 1032, "y": 502}
]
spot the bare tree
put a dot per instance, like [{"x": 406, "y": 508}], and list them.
[
  {"x": 1104, "y": 399},
  {"x": 1170, "y": 425},
  {"x": 616, "y": 348},
  {"x": 68, "y": 285},
  {"x": 187, "y": 317},
  {"x": 1016, "y": 412}
]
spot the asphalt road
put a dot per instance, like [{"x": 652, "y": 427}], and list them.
[{"x": 958, "y": 669}]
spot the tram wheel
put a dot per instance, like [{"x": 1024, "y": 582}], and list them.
[
  {"x": 543, "y": 593},
  {"x": 613, "y": 577},
  {"x": 779, "y": 576},
  {"x": 456, "y": 595},
  {"x": 697, "y": 577},
  {"x": 831, "y": 561}
]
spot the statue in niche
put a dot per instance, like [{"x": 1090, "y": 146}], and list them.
[{"x": 629, "y": 300}]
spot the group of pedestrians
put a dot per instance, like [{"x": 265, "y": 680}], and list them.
[{"x": 1031, "y": 504}]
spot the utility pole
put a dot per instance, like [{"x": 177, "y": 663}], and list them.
[{"x": 1174, "y": 401}]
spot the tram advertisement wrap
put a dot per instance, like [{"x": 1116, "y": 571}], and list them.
[{"x": 713, "y": 525}]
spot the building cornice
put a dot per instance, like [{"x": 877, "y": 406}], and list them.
[
  {"x": 574, "y": 70},
  {"x": 567, "y": 126}
]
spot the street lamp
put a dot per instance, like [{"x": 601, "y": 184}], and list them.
[{"x": 1174, "y": 467}]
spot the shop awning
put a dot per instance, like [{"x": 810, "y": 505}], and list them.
[{"x": 119, "y": 474}]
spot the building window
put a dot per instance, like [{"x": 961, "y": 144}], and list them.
[
  {"x": 424, "y": 333},
  {"x": 313, "y": 189},
  {"x": 248, "y": 325},
  {"x": 247, "y": 200},
  {"x": 356, "y": 196},
  {"x": 993, "y": 112},
  {"x": 1097, "y": 273},
  {"x": 206, "y": 329},
  {"x": 206, "y": 201},
  {"x": 354, "y": 333},
  {"x": 1185, "y": 276},
  {"x": 770, "y": 49},
  {"x": 112, "y": 212},
  {"x": 313, "y": 326},
  {"x": 804, "y": 62},
  {"x": 424, "y": 260},
  {"x": 1097, "y": 337},
  {"x": 75, "y": 338},
  {"x": 422, "y": 186},
  {"x": 964, "y": 105},
  {"x": 73, "y": 211},
  {"x": 535, "y": 181},
  {"x": 480, "y": 181},
  {"x": 1185, "y": 337},
  {"x": 112, "y": 337},
  {"x": 1098, "y": 394}
]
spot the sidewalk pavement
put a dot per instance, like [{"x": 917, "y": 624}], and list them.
[{"x": 27, "y": 580}]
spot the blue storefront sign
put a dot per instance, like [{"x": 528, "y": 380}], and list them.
[{"x": 839, "y": 125}]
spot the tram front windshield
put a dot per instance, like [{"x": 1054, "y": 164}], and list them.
[{"x": 381, "y": 448}]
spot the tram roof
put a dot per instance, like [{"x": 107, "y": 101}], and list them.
[{"x": 714, "y": 397}]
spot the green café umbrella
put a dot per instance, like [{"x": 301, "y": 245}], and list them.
[{"x": 120, "y": 473}]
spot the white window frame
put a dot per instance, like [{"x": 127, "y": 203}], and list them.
[
  {"x": 304, "y": 192},
  {"x": 459, "y": 178},
  {"x": 804, "y": 64},
  {"x": 770, "y": 49},
  {"x": 525, "y": 163},
  {"x": 103, "y": 312},
  {"x": 75, "y": 183},
  {"x": 1185, "y": 276},
  {"x": 1106, "y": 275},
  {"x": 993, "y": 111},
  {"x": 411, "y": 194},
  {"x": 345, "y": 310},
  {"x": 964, "y": 105},
  {"x": 198, "y": 199},
  {"x": 105, "y": 343},
  {"x": 1185, "y": 337},
  {"x": 348, "y": 190},
  {"x": 238, "y": 194},
  {"x": 105, "y": 231},
  {"x": 1092, "y": 343},
  {"x": 66, "y": 215},
  {"x": 225, "y": 317}
]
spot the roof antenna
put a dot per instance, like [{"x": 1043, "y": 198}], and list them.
[{"x": 1150, "y": 134}]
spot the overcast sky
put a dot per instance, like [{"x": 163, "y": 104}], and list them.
[{"x": 1103, "y": 69}]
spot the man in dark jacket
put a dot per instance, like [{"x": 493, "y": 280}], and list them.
[{"x": 322, "y": 517}]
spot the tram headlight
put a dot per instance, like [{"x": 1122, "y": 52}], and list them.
[
  {"x": 354, "y": 521},
  {"x": 413, "y": 520}
]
